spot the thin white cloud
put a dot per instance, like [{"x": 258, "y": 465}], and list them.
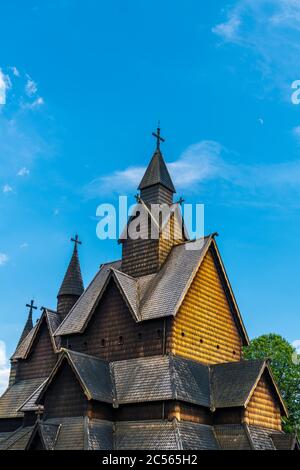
[
  {"x": 33, "y": 104},
  {"x": 271, "y": 29},
  {"x": 7, "y": 189},
  {"x": 30, "y": 87},
  {"x": 4, "y": 368},
  {"x": 24, "y": 245},
  {"x": 209, "y": 162},
  {"x": 23, "y": 171},
  {"x": 296, "y": 132},
  {"x": 3, "y": 259},
  {"x": 15, "y": 71},
  {"x": 5, "y": 84}
]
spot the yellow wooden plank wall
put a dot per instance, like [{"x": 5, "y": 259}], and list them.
[
  {"x": 263, "y": 409},
  {"x": 204, "y": 328}
]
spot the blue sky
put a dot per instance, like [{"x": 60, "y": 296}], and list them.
[{"x": 82, "y": 85}]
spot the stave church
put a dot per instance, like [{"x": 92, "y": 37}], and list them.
[{"x": 147, "y": 356}]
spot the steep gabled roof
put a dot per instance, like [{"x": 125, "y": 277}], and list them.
[
  {"x": 52, "y": 320},
  {"x": 27, "y": 328},
  {"x": 17, "y": 440},
  {"x": 233, "y": 437},
  {"x": 92, "y": 373},
  {"x": 72, "y": 283},
  {"x": 284, "y": 441},
  {"x": 129, "y": 287},
  {"x": 157, "y": 173},
  {"x": 233, "y": 383},
  {"x": 79, "y": 315},
  {"x": 48, "y": 434},
  {"x": 15, "y": 396},
  {"x": 30, "y": 403}
]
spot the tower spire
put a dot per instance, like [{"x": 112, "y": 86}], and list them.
[
  {"x": 72, "y": 286},
  {"x": 156, "y": 186},
  {"x": 29, "y": 323}
]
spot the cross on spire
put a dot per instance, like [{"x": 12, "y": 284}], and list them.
[
  {"x": 159, "y": 139},
  {"x": 76, "y": 241},
  {"x": 31, "y": 306}
]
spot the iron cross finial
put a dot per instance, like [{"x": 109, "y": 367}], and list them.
[
  {"x": 76, "y": 240},
  {"x": 31, "y": 306},
  {"x": 158, "y": 137}
]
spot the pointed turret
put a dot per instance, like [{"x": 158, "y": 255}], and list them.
[
  {"x": 156, "y": 186},
  {"x": 72, "y": 286},
  {"x": 29, "y": 323},
  {"x": 146, "y": 251}
]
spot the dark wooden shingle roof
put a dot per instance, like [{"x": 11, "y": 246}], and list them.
[
  {"x": 232, "y": 383},
  {"x": 15, "y": 396},
  {"x": 157, "y": 173},
  {"x": 72, "y": 283}
]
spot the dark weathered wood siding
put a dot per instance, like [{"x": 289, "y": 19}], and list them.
[
  {"x": 65, "y": 303},
  {"x": 64, "y": 396},
  {"x": 41, "y": 358},
  {"x": 113, "y": 334}
]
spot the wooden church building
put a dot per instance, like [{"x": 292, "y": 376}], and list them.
[{"x": 148, "y": 356}]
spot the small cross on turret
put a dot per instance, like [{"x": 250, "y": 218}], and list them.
[
  {"x": 76, "y": 240},
  {"x": 158, "y": 137}
]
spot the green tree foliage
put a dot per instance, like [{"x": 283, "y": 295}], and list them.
[{"x": 285, "y": 365}]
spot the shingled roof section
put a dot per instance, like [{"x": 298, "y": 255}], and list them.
[
  {"x": 53, "y": 321},
  {"x": 260, "y": 438},
  {"x": 17, "y": 440},
  {"x": 144, "y": 435},
  {"x": 71, "y": 435},
  {"x": 23, "y": 347},
  {"x": 93, "y": 375},
  {"x": 232, "y": 437},
  {"x": 30, "y": 402},
  {"x": 100, "y": 435},
  {"x": 157, "y": 173},
  {"x": 232, "y": 383},
  {"x": 161, "y": 378},
  {"x": 130, "y": 289},
  {"x": 72, "y": 283},
  {"x": 283, "y": 441},
  {"x": 27, "y": 328},
  {"x": 196, "y": 436},
  {"x": 16, "y": 395}
]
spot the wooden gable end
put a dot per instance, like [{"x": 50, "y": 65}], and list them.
[
  {"x": 147, "y": 254},
  {"x": 64, "y": 396},
  {"x": 113, "y": 334},
  {"x": 41, "y": 358},
  {"x": 263, "y": 408},
  {"x": 205, "y": 328}
]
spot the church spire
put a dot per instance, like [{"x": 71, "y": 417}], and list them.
[
  {"x": 156, "y": 186},
  {"x": 72, "y": 285},
  {"x": 29, "y": 323}
]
